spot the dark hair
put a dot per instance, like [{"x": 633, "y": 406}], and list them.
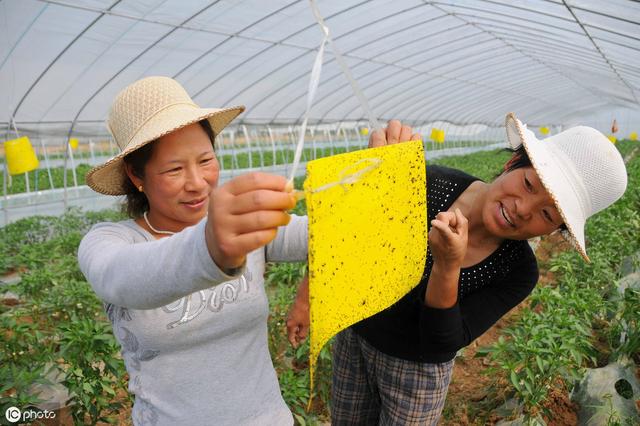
[
  {"x": 136, "y": 202},
  {"x": 520, "y": 159}
]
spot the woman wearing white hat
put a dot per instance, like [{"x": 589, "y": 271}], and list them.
[
  {"x": 395, "y": 367},
  {"x": 189, "y": 311}
]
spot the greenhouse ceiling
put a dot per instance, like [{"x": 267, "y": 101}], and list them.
[{"x": 62, "y": 62}]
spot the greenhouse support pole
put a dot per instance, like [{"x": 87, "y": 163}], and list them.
[
  {"x": 313, "y": 143},
  {"x": 273, "y": 146},
  {"x": 73, "y": 166},
  {"x": 234, "y": 159},
  {"x": 91, "y": 153},
  {"x": 247, "y": 139},
  {"x": 46, "y": 162},
  {"x": 328, "y": 133},
  {"x": 358, "y": 136},
  {"x": 4, "y": 191},
  {"x": 260, "y": 145},
  {"x": 346, "y": 137}
]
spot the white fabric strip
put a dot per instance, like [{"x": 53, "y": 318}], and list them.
[{"x": 313, "y": 86}]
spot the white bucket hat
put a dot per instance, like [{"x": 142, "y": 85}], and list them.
[
  {"x": 141, "y": 113},
  {"x": 580, "y": 168}
]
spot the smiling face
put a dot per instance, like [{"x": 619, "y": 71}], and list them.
[
  {"x": 518, "y": 207},
  {"x": 178, "y": 178}
]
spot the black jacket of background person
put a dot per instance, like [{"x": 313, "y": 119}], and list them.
[{"x": 486, "y": 291}]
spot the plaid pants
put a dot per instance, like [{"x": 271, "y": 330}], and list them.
[{"x": 372, "y": 388}]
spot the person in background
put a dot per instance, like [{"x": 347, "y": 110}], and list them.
[
  {"x": 182, "y": 280},
  {"x": 394, "y": 367}
]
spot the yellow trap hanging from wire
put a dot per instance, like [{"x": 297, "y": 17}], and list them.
[
  {"x": 20, "y": 156},
  {"x": 367, "y": 235}
]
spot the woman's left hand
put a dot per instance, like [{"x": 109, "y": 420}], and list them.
[
  {"x": 298, "y": 318},
  {"x": 448, "y": 238}
]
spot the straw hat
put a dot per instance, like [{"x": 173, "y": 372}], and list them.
[
  {"x": 143, "y": 112},
  {"x": 580, "y": 168}
]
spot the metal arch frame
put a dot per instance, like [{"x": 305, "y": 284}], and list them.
[
  {"x": 292, "y": 81},
  {"x": 231, "y": 36},
  {"x": 522, "y": 52},
  {"x": 633, "y": 94},
  {"x": 426, "y": 3},
  {"x": 570, "y": 57},
  {"x": 576, "y": 20},
  {"x": 338, "y": 73},
  {"x": 505, "y": 28},
  {"x": 489, "y": 19},
  {"x": 144, "y": 51},
  {"x": 306, "y": 73},
  {"x": 433, "y": 95},
  {"x": 483, "y": 24},
  {"x": 447, "y": 80},
  {"x": 616, "y": 43},
  {"x": 574, "y": 55},
  {"x": 635, "y": 71},
  {"x": 424, "y": 103},
  {"x": 383, "y": 64},
  {"x": 88, "y": 67},
  {"x": 273, "y": 44},
  {"x": 507, "y": 5},
  {"x": 55, "y": 60},
  {"x": 479, "y": 101},
  {"x": 489, "y": 107},
  {"x": 444, "y": 83},
  {"x": 441, "y": 5},
  {"x": 421, "y": 95},
  {"x": 411, "y": 69},
  {"x": 33, "y": 21},
  {"x": 608, "y": 31},
  {"x": 482, "y": 72},
  {"x": 617, "y": 18}
]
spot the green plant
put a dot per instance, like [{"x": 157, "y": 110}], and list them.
[
  {"x": 93, "y": 369},
  {"x": 553, "y": 340}
]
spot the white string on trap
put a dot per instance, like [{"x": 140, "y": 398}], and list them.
[{"x": 313, "y": 86}]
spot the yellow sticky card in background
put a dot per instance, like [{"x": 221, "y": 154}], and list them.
[
  {"x": 21, "y": 157},
  {"x": 367, "y": 235},
  {"x": 437, "y": 135}
]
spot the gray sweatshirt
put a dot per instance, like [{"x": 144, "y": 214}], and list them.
[{"x": 194, "y": 340}]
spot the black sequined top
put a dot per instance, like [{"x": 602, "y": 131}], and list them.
[{"x": 487, "y": 290}]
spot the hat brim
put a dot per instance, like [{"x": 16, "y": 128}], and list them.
[
  {"x": 110, "y": 178},
  {"x": 554, "y": 176}
]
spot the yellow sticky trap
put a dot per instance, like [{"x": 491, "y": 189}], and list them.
[
  {"x": 612, "y": 138},
  {"x": 633, "y": 136},
  {"x": 437, "y": 135},
  {"x": 544, "y": 130},
  {"x": 364, "y": 131},
  {"x": 21, "y": 158},
  {"x": 73, "y": 143},
  {"x": 367, "y": 235}
]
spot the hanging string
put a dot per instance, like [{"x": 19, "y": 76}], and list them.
[{"x": 313, "y": 86}]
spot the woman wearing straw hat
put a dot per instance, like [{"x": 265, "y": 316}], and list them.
[
  {"x": 395, "y": 367},
  {"x": 182, "y": 280}
]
